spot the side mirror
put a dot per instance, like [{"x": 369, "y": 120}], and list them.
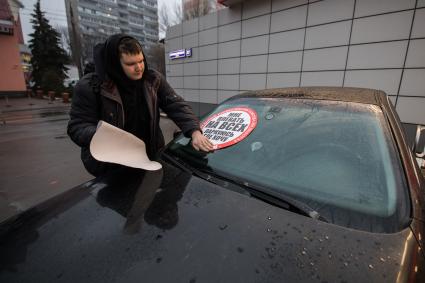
[{"x": 419, "y": 145}]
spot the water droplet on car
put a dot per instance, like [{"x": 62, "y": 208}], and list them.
[
  {"x": 222, "y": 227},
  {"x": 256, "y": 146},
  {"x": 269, "y": 116}
]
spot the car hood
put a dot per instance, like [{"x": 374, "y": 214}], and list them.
[{"x": 193, "y": 231}]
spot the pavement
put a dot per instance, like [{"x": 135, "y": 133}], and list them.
[
  {"x": 29, "y": 103},
  {"x": 37, "y": 159}
]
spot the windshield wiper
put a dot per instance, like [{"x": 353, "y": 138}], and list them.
[{"x": 280, "y": 200}]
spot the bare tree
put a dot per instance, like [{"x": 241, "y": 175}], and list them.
[
  {"x": 197, "y": 8},
  {"x": 156, "y": 57},
  {"x": 65, "y": 39},
  {"x": 169, "y": 17},
  {"x": 163, "y": 19},
  {"x": 178, "y": 12}
]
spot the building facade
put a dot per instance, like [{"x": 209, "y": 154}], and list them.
[
  {"x": 12, "y": 80},
  {"x": 289, "y": 43},
  {"x": 92, "y": 21}
]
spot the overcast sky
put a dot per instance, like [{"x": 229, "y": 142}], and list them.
[{"x": 55, "y": 13}]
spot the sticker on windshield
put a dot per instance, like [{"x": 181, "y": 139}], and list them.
[{"x": 230, "y": 126}]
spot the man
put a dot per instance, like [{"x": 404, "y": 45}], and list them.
[{"x": 124, "y": 92}]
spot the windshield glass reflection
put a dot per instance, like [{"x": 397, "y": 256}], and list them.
[{"x": 338, "y": 157}]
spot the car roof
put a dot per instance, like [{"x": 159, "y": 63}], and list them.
[{"x": 347, "y": 94}]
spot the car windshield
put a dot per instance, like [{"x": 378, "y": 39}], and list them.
[{"x": 337, "y": 157}]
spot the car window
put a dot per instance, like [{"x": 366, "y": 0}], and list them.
[{"x": 337, "y": 157}]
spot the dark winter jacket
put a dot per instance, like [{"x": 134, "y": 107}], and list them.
[{"x": 97, "y": 98}]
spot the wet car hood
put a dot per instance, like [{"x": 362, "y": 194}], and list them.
[{"x": 193, "y": 231}]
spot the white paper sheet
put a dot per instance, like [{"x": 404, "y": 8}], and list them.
[{"x": 111, "y": 144}]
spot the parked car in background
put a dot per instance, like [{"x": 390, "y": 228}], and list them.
[{"x": 305, "y": 185}]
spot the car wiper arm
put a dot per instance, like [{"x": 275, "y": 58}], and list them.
[
  {"x": 283, "y": 201},
  {"x": 280, "y": 200}
]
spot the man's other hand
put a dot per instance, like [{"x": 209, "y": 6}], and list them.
[{"x": 200, "y": 142}]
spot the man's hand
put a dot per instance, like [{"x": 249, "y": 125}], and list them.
[{"x": 200, "y": 142}]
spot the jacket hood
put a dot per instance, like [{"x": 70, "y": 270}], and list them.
[{"x": 107, "y": 59}]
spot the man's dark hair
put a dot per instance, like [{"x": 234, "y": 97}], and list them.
[{"x": 130, "y": 46}]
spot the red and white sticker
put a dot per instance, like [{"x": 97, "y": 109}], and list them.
[{"x": 230, "y": 126}]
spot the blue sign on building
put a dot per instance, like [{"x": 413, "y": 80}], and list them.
[{"x": 182, "y": 53}]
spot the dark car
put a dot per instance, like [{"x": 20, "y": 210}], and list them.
[{"x": 306, "y": 185}]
